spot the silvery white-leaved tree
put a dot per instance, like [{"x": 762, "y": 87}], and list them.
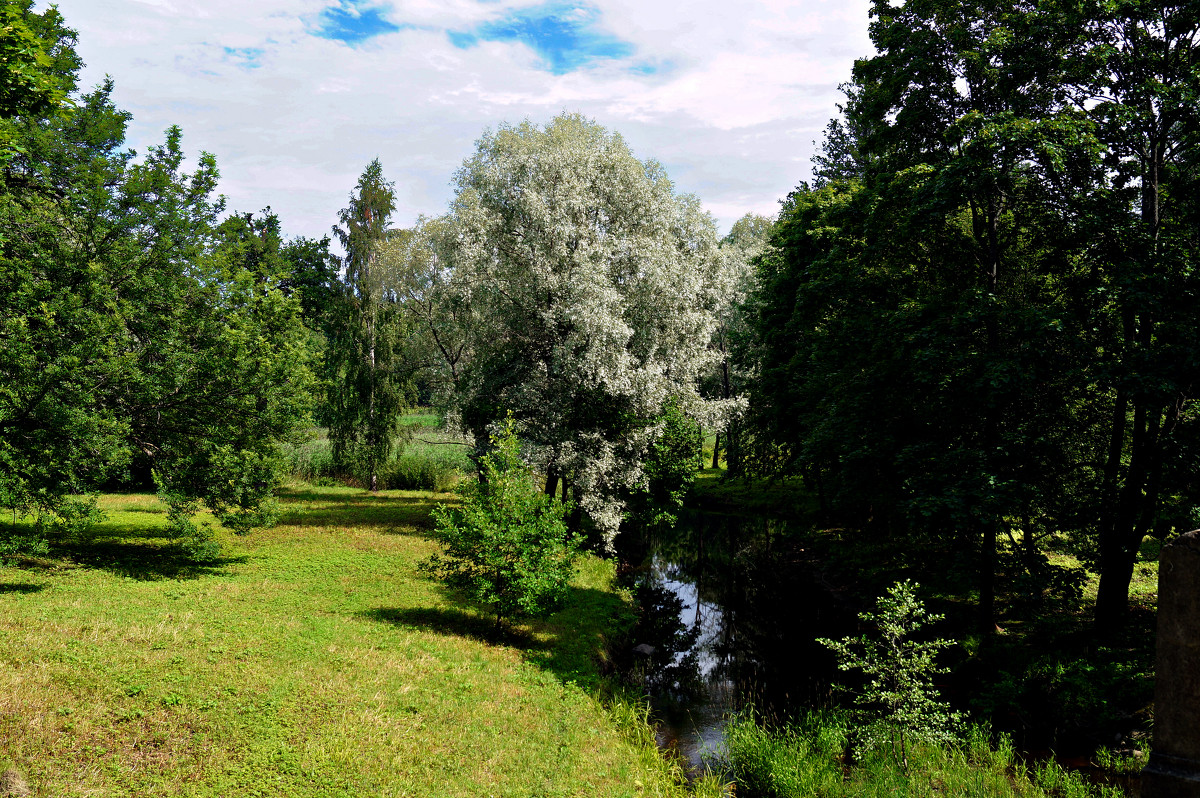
[{"x": 572, "y": 286}]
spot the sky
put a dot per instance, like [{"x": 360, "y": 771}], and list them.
[{"x": 296, "y": 97}]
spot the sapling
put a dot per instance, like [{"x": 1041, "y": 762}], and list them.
[
  {"x": 507, "y": 546},
  {"x": 899, "y": 704}
]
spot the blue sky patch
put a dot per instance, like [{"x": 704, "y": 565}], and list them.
[
  {"x": 565, "y": 35},
  {"x": 462, "y": 40},
  {"x": 246, "y": 57},
  {"x": 645, "y": 68},
  {"x": 355, "y": 21}
]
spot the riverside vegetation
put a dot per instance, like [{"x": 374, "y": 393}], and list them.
[{"x": 967, "y": 350}]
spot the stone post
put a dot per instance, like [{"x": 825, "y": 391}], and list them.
[{"x": 1173, "y": 770}]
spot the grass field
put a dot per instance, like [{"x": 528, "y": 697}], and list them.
[{"x": 311, "y": 661}]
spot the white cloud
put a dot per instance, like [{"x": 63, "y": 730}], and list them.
[{"x": 741, "y": 92}]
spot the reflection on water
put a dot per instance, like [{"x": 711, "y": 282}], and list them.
[{"x": 751, "y": 604}]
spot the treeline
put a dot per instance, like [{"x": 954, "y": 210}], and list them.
[
  {"x": 975, "y": 331},
  {"x": 148, "y": 339},
  {"x": 978, "y": 326}
]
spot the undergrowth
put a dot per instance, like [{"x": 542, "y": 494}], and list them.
[{"x": 809, "y": 759}]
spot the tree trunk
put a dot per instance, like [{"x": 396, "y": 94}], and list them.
[
  {"x": 987, "y": 581},
  {"x": 991, "y": 426},
  {"x": 1112, "y": 596},
  {"x": 733, "y": 448},
  {"x": 1136, "y": 499},
  {"x": 716, "y": 450}
]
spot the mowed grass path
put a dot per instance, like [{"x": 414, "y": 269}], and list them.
[{"x": 313, "y": 661}]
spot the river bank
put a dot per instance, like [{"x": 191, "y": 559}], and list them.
[{"x": 1044, "y": 678}]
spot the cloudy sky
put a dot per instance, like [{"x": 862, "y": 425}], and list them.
[{"x": 295, "y": 97}]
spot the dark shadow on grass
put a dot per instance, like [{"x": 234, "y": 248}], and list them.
[
  {"x": 570, "y": 644},
  {"x": 116, "y": 529},
  {"x": 22, "y": 588},
  {"x": 458, "y": 622},
  {"x": 143, "y": 562},
  {"x": 388, "y": 513}
]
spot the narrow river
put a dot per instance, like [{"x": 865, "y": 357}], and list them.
[
  {"x": 750, "y": 608},
  {"x": 738, "y": 609}
]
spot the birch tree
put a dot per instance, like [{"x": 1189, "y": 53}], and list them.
[{"x": 366, "y": 389}]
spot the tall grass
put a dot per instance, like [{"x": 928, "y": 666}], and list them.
[
  {"x": 810, "y": 759},
  {"x": 427, "y": 457},
  {"x": 311, "y": 458},
  {"x": 431, "y": 459}
]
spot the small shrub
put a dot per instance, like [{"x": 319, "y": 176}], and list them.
[
  {"x": 21, "y": 544},
  {"x": 508, "y": 546},
  {"x": 194, "y": 540},
  {"x": 899, "y": 705},
  {"x": 74, "y": 517}
]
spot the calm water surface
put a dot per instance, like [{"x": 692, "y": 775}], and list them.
[{"x": 755, "y": 604}]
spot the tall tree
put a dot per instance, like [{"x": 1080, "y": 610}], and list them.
[
  {"x": 366, "y": 381},
  {"x": 744, "y": 242},
  {"x": 945, "y": 270},
  {"x": 126, "y": 325},
  {"x": 1137, "y": 76},
  {"x": 586, "y": 291},
  {"x": 1007, "y": 232}
]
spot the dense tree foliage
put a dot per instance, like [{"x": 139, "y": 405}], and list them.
[
  {"x": 132, "y": 324},
  {"x": 973, "y": 328},
  {"x": 578, "y": 292},
  {"x": 365, "y": 329}
]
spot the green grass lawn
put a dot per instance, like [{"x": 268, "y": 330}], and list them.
[{"x": 312, "y": 661}]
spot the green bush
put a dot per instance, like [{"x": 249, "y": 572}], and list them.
[
  {"x": 21, "y": 544},
  {"x": 507, "y": 547}
]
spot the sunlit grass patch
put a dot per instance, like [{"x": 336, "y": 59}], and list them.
[{"x": 310, "y": 660}]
